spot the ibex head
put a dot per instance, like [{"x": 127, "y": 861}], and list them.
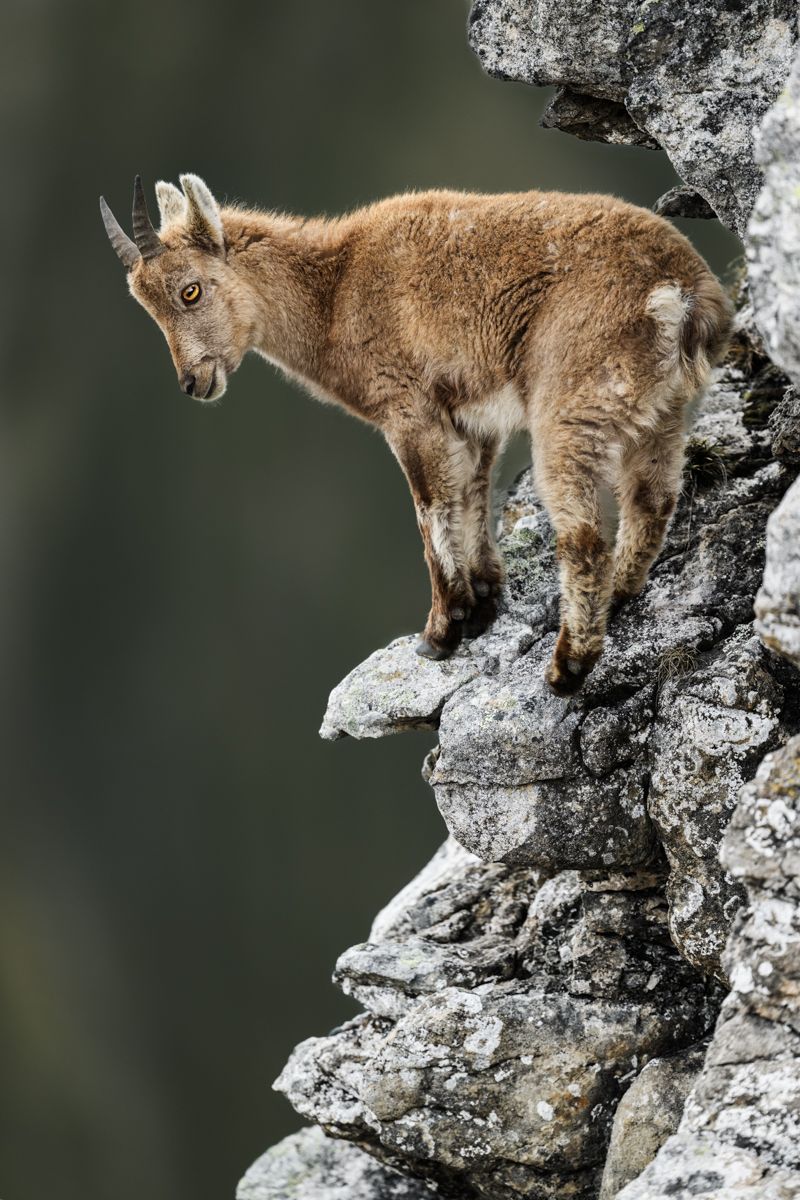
[{"x": 181, "y": 277}]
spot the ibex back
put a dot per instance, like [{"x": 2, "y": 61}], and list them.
[{"x": 449, "y": 321}]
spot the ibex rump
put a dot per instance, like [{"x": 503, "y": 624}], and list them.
[{"x": 449, "y": 321}]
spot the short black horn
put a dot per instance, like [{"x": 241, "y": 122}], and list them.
[
  {"x": 145, "y": 236},
  {"x": 127, "y": 251}
]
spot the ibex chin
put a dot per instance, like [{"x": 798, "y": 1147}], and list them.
[{"x": 450, "y": 320}]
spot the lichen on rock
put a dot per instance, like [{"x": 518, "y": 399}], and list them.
[
  {"x": 773, "y": 235},
  {"x": 500, "y": 1011},
  {"x": 310, "y": 1166},
  {"x": 740, "y": 1131},
  {"x": 648, "y": 1113}
]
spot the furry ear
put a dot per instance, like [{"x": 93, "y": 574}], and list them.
[
  {"x": 203, "y": 216},
  {"x": 171, "y": 203}
]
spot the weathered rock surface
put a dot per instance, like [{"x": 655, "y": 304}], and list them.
[
  {"x": 595, "y": 120},
  {"x": 310, "y": 1166},
  {"x": 683, "y": 202},
  {"x": 676, "y": 716},
  {"x": 717, "y": 723},
  {"x": 648, "y": 1113},
  {"x": 778, "y": 601},
  {"x": 695, "y": 79},
  {"x": 500, "y": 1012},
  {"x": 773, "y": 236},
  {"x": 740, "y": 1132}
]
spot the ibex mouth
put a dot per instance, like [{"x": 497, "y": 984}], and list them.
[
  {"x": 209, "y": 380},
  {"x": 211, "y": 385}
]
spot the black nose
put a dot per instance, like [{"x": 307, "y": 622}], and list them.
[{"x": 187, "y": 383}]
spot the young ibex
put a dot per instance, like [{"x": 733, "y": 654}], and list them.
[{"x": 449, "y": 321}]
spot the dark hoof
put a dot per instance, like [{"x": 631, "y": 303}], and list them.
[
  {"x": 481, "y": 587},
  {"x": 482, "y": 616},
  {"x": 426, "y": 649},
  {"x": 567, "y": 678},
  {"x": 478, "y": 623},
  {"x": 618, "y": 602},
  {"x": 475, "y": 627}
]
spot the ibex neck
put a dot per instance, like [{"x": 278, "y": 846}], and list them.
[{"x": 290, "y": 268}]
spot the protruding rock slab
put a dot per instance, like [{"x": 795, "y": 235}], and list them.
[
  {"x": 595, "y": 120},
  {"x": 310, "y": 1166},
  {"x": 684, "y": 202},
  {"x": 393, "y": 690},
  {"x": 693, "y": 79}
]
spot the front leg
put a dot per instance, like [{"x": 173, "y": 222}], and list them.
[
  {"x": 484, "y": 563},
  {"x": 452, "y": 598},
  {"x": 436, "y": 463}
]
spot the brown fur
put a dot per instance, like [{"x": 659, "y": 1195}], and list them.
[{"x": 448, "y": 320}]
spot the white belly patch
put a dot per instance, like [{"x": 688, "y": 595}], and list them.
[{"x": 499, "y": 414}]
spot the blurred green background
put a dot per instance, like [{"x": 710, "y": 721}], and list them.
[{"x": 181, "y": 859}]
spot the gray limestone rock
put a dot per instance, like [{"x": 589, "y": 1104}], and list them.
[
  {"x": 595, "y": 120},
  {"x": 784, "y": 424},
  {"x": 683, "y": 202},
  {"x": 718, "y": 723},
  {"x": 648, "y": 1113},
  {"x": 773, "y": 236},
  {"x": 778, "y": 601},
  {"x": 310, "y": 1166},
  {"x": 696, "y": 79},
  {"x": 410, "y": 695},
  {"x": 703, "y": 75},
  {"x": 696, "y": 1167},
  {"x": 740, "y": 1132},
  {"x": 502, "y": 1012}
]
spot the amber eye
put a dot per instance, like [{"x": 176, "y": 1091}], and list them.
[{"x": 191, "y": 293}]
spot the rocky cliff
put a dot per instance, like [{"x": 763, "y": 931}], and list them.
[{"x": 592, "y": 989}]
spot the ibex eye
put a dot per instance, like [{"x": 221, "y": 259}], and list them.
[{"x": 191, "y": 293}]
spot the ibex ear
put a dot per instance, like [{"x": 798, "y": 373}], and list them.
[
  {"x": 171, "y": 203},
  {"x": 203, "y": 219}
]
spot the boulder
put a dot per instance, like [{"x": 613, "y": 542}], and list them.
[
  {"x": 648, "y": 1113},
  {"x": 778, "y": 600},
  {"x": 310, "y": 1166},
  {"x": 505, "y": 1016},
  {"x": 694, "y": 79}
]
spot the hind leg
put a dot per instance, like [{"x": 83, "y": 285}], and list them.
[
  {"x": 567, "y": 478},
  {"x": 482, "y": 559},
  {"x": 646, "y": 490}
]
